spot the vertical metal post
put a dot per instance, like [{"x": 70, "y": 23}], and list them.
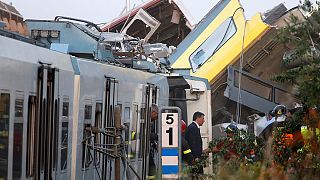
[
  {"x": 117, "y": 124},
  {"x": 127, "y": 5}
]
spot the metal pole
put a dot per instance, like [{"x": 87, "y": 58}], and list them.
[
  {"x": 127, "y": 5},
  {"x": 117, "y": 123}
]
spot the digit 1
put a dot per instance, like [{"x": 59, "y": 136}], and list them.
[{"x": 169, "y": 131}]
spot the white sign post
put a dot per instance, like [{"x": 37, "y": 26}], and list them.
[
  {"x": 170, "y": 145},
  {"x": 170, "y": 130}
]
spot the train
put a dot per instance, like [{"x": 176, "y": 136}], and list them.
[
  {"x": 67, "y": 115},
  {"x": 239, "y": 57}
]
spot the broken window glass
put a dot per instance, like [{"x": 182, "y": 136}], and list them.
[{"x": 212, "y": 44}]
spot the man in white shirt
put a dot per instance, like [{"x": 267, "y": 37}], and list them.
[{"x": 193, "y": 137}]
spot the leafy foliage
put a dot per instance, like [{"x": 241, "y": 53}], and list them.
[
  {"x": 304, "y": 37},
  {"x": 302, "y": 153},
  {"x": 234, "y": 152},
  {"x": 244, "y": 146}
]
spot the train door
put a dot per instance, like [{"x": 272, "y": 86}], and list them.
[
  {"x": 92, "y": 146},
  {"x": 18, "y": 126},
  {"x": 146, "y": 127},
  {"x": 102, "y": 146},
  {"x": 133, "y": 137},
  {"x": 43, "y": 110},
  {"x": 110, "y": 102},
  {"x": 64, "y": 136},
  {"x": 87, "y": 158}
]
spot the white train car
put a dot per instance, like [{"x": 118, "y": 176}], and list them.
[{"x": 49, "y": 102}]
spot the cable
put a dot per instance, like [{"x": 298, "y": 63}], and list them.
[
  {"x": 87, "y": 149},
  {"x": 94, "y": 160},
  {"x": 95, "y": 165},
  {"x": 88, "y": 23},
  {"x": 238, "y": 110},
  {"x": 238, "y": 113},
  {"x": 127, "y": 19}
]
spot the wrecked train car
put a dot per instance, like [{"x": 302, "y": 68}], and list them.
[
  {"x": 232, "y": 53},
  {"x": 175, "y": 23}
]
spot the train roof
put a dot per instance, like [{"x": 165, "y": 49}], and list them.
[{"x": 21, "y": 51}]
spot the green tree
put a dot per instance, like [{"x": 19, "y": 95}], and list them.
[{"x": 303, "y": 37}]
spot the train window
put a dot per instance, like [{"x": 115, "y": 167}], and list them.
[
  {"x": 17, "y": 150},
  {"x": 127, "y": 114},
  {"x": 154, "y": 95},
  {"x": 254, "y": 86},
  {"x": 126, "y": 133},
  {"x": 55, "y": 131},
  {"x": 212, "y": 44},
  {"x": 64, "y": 134},
  {"x": 98, "y": 115},
  {"x": 134, "y": 133},
  {"x": 143, "y": 113},
  {"x": 116, "y": 46},
  {"x": 65, "y": 109},
  {"x": 86, "y": 153},
  {"x": 19, "y": 108},
  {"x": 87, "y": 112},
  {"x": 4, "y": 133},
  {"x": 64, "y": 145},
  {"x": 17, "y": 139},
  {"x": 98, "y": 123},
  {"x": 31, "y": 135},
  {"x": 142, "y": 132},
  {"x": 283, "y": 97}
]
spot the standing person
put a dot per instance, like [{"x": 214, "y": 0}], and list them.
[
  {"x": 153, "y": 142},
  {"x": 194, "y": 139}
]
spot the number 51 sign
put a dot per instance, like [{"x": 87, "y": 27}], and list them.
[
  {"x": 170, "y": 130},
  {"x": 170, "y": 154}
]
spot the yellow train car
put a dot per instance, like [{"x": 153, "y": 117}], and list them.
[{"x": 217, "y": 40}]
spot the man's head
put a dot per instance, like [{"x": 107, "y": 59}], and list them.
[
  {"x": 199, "y": 118},
  {"x": 154, "y": 112}
]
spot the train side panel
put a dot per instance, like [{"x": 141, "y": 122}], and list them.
[
  {"x": 111, "y": 87},
  {"x": 19, "y": 77}
]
